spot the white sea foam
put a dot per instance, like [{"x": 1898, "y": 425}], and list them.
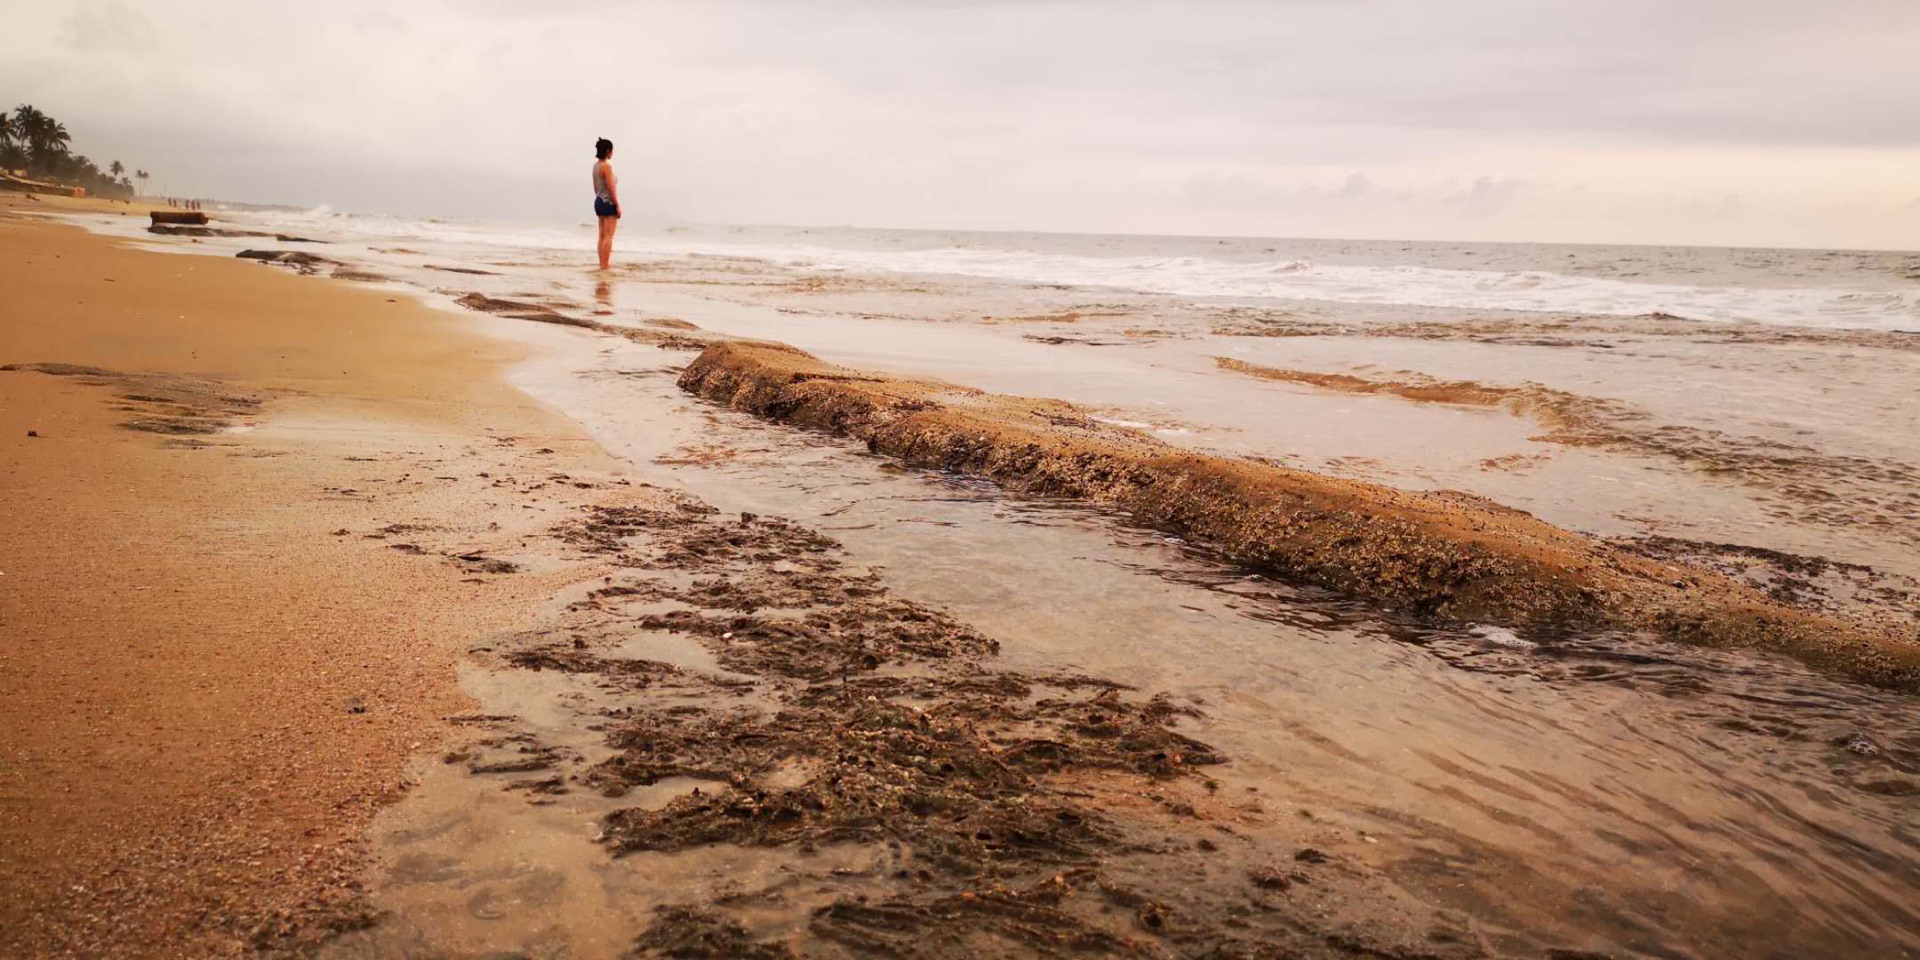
[
  {"x": 1397, "y": 285},
  {"x": 1197, "y": 276},
  {"x": 377, "y": 229},
  {"x": 1502, "y": 637}
]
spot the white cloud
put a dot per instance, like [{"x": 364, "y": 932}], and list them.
[
  {"x": 106, "y": 26},
  {"x": 1489, "y": 196},
  {"x": 1377, "y": 117}
]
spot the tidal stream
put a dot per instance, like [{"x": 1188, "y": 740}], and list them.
[{"x": 1598, "y": 791}]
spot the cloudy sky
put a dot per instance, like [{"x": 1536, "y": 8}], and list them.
[{"x": 1678, "y": 121}]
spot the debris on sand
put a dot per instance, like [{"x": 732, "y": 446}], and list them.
[
  {"x": 300, "y": 260},
  {"x": 518, "y": 310},
  {"x": 161, "y": 403},
  {"x": 540, "y": 313},
  {"x": 1815, "y": 584},
  {"x": 1017, "y": 814},
  {"x": 171, "y": 230}
]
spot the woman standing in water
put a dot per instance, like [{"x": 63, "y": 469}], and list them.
[{"x": 606, "y": 198}]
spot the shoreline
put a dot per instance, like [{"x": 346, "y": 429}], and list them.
[
  {"x": 623, "y": 720},
  {"x": 225, "y": 667},
  {"x": 312, "y": 735}
]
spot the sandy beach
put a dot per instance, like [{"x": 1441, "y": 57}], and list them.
[
  {"x": 357, "y": 618},
  {"x": 217, "y": 668},
  {"x": 261, "y": 520},
  {"x": 1054, "y": 481}
]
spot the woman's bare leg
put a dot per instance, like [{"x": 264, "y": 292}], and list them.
[{"x": 606, "y": 241}]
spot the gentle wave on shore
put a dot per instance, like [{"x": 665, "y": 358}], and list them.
[{"x": 1817, "y": 288}]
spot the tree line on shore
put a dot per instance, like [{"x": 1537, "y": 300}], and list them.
[{"x": 32, "y": 141}]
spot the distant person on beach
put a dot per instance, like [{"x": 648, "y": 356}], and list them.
[{"x": 606, "y": 198}]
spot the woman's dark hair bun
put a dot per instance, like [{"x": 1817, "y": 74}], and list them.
[{"x": 602, "y": 147}]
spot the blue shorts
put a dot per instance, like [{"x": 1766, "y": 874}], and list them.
[{"x": 602, "y": 207}]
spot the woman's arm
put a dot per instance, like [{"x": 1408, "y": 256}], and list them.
[{"x": 613, "y": 189}]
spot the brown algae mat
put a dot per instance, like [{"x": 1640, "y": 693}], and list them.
[
  {"x": 1445, "y": 555},
  {"x": 1006, "y": 813}
]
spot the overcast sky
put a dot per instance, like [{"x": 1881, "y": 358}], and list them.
[{"x": 1678, "y": 121}]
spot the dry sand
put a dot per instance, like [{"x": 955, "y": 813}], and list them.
[{"x": 214, "y": 664}]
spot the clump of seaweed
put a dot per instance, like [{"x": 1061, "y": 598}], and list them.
[{"x": 1442, "y": 555}]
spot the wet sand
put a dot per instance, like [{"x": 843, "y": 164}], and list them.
[
  {"x": 259, "y": 523},
  {"x": 216, "y": 665}
]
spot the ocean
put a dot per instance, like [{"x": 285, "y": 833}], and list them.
[{"x": 1875, "y": 290}]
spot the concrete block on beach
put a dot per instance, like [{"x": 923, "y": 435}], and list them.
[
  {"x": 189, "y": 217},
  {"x": 187, "y": 230}
]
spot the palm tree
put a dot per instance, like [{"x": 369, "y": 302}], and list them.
[
  {"x": 46, "y": 138},
  {"x": 32, "y": 127},
  {"x": 27, "y": 122},
  {"x": 25, "y": 129},
  {"x": 141, "y": 175},
  {"x": 12, "y": 154},
  {"x": 57, "y": 138},
  {"x": 115, "y": 168}
]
